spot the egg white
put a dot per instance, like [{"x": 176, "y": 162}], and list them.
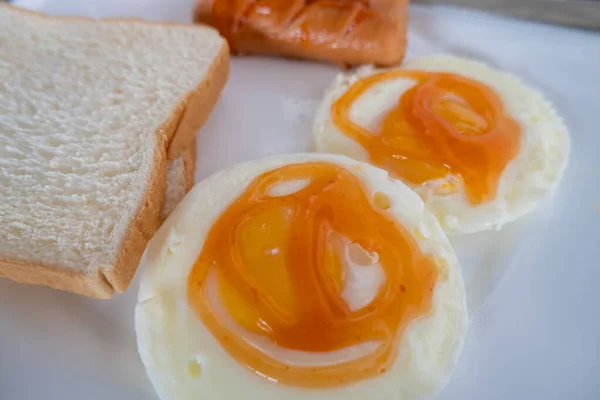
[
  {"x": 531, "y": 176},
  {"x": 170, "y": 334}
]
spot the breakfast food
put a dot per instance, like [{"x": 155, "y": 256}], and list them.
[
  {"x": 479, "y": 146},
  {"x": 91, "y": 111},
  {"x": 300, "y": 276},
  {"x": 350, "y": 32},
  {"x": 180, "y": 179}
]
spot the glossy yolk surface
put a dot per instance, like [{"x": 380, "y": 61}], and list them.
[
  {"x": 445, "y": 124},
  {"x": 280, "y": 274}
]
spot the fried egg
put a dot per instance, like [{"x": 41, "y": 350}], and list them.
[
  {"x": 480, "y": 147},
  {"x": 300, "y": 276}
]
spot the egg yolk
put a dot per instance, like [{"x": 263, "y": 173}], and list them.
[
  {"x": 444, "y": 125},
  {"x": 280, "y": 274}
]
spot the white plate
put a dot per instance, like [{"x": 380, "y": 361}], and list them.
[{"x": 535, "y": 331}]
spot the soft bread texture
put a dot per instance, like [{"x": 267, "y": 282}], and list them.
[
  {"x": 170, "y": 334},
  {"x": 88, "y": 110},
  {"x": 344, "y": 32},
  {"x": 180, "y": 179}
]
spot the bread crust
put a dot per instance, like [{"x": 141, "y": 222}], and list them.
[
  {"x": 179, "y": 130},
  {"x": 56, "y": 277},
  {"x": 348, "y": 32},
  {"x": 196, "y": 107}
]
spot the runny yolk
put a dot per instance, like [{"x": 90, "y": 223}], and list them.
[
  {"x": 446, "y": 124},
  {"x": 280, "y": 274}
]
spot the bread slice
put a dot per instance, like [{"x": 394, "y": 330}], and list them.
[
  {"x": 89, "y": 111},
  {"x": 180, "y": 179}
]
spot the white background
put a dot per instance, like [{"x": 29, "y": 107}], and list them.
[{"x": 535, "y": 329}]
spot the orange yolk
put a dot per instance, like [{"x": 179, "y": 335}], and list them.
[
  {"x": 280, "y": 274},
  {"x": 445, "y": 124}
]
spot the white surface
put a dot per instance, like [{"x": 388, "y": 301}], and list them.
[{"x": 537, "y": 336}]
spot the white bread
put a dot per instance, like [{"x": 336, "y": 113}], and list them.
[
  {"x": 180, "y": 179},
  {"x": 88, "y": 110}
]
